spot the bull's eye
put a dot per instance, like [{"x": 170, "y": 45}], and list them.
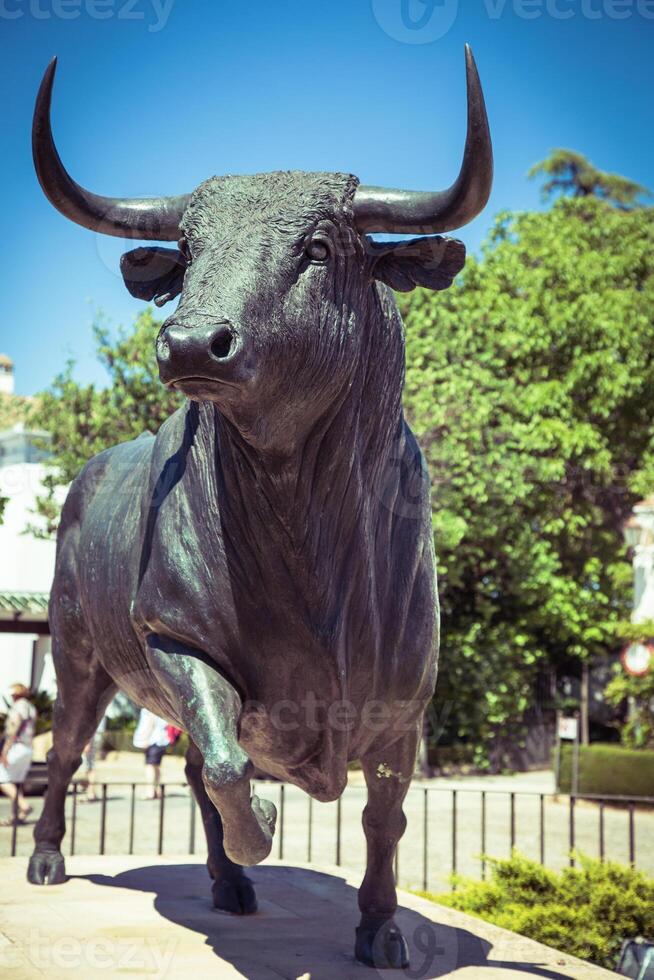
[
  {"x": 183, "y": 246},
  {"x": 318, "y": 249}
]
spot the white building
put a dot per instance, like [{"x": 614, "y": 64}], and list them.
[
  {"x": 6, "y": 375},
  {"x": 26, "y": 561}
]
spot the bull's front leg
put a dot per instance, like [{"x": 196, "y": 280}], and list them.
[
  {"x": 232, "y": 891},
  {"x": 388, "y": 772},
  {"x": 209, "y": 708}
]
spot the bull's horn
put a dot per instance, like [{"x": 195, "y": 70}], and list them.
[
  {"x": 150, "y": 219},
  {"x": 426, "y": 212}
]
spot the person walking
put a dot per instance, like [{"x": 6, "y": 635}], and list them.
[
  {"x": 88, "y": 762},
  {"x": 16, "y": 754},
  {"x": 152, "y": 735}
]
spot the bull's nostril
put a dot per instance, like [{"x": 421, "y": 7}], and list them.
[{"x": 221, "y": 344}]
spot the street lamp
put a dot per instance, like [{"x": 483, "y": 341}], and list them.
[
  {"x": 632, "y": 531},
  {"x": 639, "y": 535},
  {"x": 639, "y": 529}
]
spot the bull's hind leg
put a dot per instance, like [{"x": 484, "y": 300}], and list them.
[
  {"x": 83, "y": 691},
  {"x": 209, "y": 708},
  {"x": 379, "y": 941},
  {"x": 232, "y": 890}
]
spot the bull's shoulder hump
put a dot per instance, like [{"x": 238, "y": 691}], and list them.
[
  {"x": 107, "y": 469},
  {"x": 123, "y": 457}
]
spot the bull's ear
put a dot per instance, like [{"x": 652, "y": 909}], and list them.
[
  {"x": 153, "y": 273},
  {"x": 431, "y": 262}
]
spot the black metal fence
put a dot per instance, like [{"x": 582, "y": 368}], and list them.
[{"x": 436, "y": 814}]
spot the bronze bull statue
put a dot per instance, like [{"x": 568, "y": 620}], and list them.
[{"x": 261, "y": 572}]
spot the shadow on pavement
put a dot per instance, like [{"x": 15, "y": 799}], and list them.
[{"x": 305, "y": 925}]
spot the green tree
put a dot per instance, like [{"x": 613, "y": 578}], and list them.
[
  {"x": 83, "y": 419},
  {"x": 571, "y": 173},
  {"x": 13, "y": 409},
  {"x": 530, "y": 384}
]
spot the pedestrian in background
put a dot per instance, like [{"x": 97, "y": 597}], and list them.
[
  {"x": 16, "y": 753},
  {"x": 88, "y": 762},
  {"x": 152, "y": 735}
]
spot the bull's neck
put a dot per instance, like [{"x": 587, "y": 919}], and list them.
[
  {"x": 312, "y": 516},
  {"x": 342, "y": 464}
]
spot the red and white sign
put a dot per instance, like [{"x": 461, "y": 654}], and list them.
[{"x": 637, "y": 658}]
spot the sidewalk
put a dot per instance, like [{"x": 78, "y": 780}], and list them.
[
  {"x": 128, "y": 766},
  {"x": 152, "y": 917}
]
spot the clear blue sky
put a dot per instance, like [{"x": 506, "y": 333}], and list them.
[{"x": 156, "y": 96}]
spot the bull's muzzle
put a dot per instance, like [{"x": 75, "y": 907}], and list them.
[{"x": 211, "y": 351}]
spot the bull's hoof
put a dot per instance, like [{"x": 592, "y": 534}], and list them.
[
  {"x": 266, "y": 814},
  {"x": 383, "y": 947},
  {"x": 248, "y": 838},
  {"x": 46, "y": 868},
  {"x": 235, "y": 895}
]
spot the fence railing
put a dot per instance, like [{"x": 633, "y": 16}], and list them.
[{"x": 449, "y": 830}]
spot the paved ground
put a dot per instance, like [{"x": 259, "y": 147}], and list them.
[
  {"x": 120, "y": 916},
  {"x": 179, "y": 820}
]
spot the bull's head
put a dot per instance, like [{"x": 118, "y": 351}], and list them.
[{"x": 278, "y": 279}]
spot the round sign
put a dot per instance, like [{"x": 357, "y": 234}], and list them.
[{"x": 637, "y": 658}]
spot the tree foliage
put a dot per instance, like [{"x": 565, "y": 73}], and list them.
[
  {"x": 83, "y": 419},
  {"x": 13, "y": 409},
  {"x": 571, "y": 173},
  {"x": 530, "y": 384}
]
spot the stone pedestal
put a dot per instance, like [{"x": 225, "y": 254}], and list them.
[{"x": 151, "y": 917}]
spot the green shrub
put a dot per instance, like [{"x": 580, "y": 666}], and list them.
[
  {"x": 451, "y": 757},
  {"x": 586, "y": 911},
  {"x": 609, "y": 770}
]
